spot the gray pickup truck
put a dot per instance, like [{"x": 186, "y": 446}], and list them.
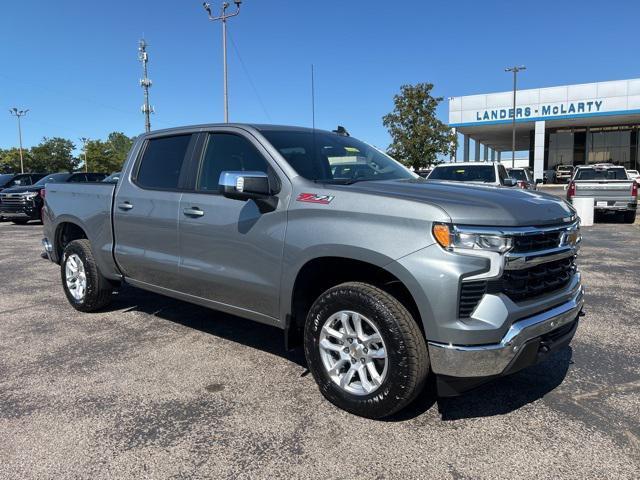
[
  {"x": 609, "y": 186},
  {"x": 385, "y": 278}
]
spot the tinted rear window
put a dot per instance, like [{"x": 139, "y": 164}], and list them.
[
  {"x": 601, "y": 174},
  {"x": 468, "y": 173},
  {"x": 518, "y": 174},
  {"x": 162, "y": 161}
]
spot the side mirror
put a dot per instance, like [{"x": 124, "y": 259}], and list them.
[
  {"x": 244, "y": 185},
  {"x": 249, "y": 186},
  {"x": 539, "y": 181},
  {"x": 509, "y": 182}
]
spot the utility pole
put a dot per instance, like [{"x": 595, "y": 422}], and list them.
[
  {"x": 223, "y": 17},
  {"x": 515, "y": 70},
  {"x": 84, "y": 141},
  {"x": 19, "y": 113},
  {"x": 145, "y": 83}
]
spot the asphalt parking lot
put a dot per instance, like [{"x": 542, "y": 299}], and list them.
[{"x": 157, "y": 388}]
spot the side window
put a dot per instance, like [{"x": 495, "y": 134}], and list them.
[
  {"x": 502, "y": 173},
  {"x": 28, "y": 180},
  {"x": 162, "y": 161},
  {"x": 77, "y": 178},
  {"x": 228, "y": 152}
]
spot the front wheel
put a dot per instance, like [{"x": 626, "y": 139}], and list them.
[
  {"x": 365, "y": 350},
  {"x": 85, "y": 287}
]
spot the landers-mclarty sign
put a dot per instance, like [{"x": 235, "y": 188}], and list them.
[{"x": 541, "y": 111}]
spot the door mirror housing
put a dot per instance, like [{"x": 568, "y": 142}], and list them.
[
  {"x": 244, "y": 185},
  {"x": 249, "y": 186},
  {"x": 509, "y": 182}
]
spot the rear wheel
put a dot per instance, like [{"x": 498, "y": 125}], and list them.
[
  {"x": 630, "y": 217},
  {"x": 85, "y": 287},
  {"x": 364, "y": 350}
]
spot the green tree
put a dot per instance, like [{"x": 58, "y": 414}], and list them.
[
  {"x": 10, "y": 160},
  {"x": 53, "y": 155},
  {"x": 108, "y": 156},
  {"x": 417, "y": 135}
]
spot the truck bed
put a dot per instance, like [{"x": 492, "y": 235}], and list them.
[
  {"x": 89, "y": 206},
  {"x": 607, "y": 194}
]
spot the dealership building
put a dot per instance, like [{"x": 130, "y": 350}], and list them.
[{"x": 567, "y": 125}]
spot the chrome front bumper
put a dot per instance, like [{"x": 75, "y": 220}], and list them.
[{"x": 494, "y": 359}]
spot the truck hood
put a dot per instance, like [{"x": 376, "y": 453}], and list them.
[
  {"x": 473, "y": 204},
  {"x": 25, "y": 189}
]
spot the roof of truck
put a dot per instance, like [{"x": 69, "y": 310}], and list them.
[{"x": 256, "y": 126}]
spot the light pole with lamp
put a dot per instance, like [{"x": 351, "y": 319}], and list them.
[
  {"x": 223, "y": 17},
  {"x": 19, "y": 113},
  {"x": 515, "y": 71}
]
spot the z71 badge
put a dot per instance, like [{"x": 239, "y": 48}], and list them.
[{"x": 315, "y": 198}]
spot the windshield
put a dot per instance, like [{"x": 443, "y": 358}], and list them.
[
  {"x": 12, "y": 180},
  {"x": 468, "y": 173},
  {"x": 56, "y": 177},
  {"x": 601, "y": 174},
  {"x": 518, "y": 175},
  {"x": 4, "y": 178},
  {"x": 331, "y": 158}
]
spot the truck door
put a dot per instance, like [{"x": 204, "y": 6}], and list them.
[
  {"x": 146, "y": 211},
  {"x": 230, "y": 251}
]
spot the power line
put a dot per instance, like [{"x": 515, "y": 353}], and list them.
[{"x": 246, "y": 71}]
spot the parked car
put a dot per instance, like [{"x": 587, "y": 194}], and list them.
[
  {"x": 563, "y": 173},
  {"x": 488, "y": 173},
  {"x": 113, "y": 178},
  {"x": 9, "y": 180},
  {"x": 385, "y": 279},
  {"x": 610, "y": 188},
  {"x": 633, "y": 175},
  {"x": 523, "y": 178},
  {"x": 23, "y": 204}
]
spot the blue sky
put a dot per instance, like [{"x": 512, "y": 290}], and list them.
[{"x": 74, "y": 63}]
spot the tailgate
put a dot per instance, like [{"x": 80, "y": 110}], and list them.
[{"x": 605, "y": 189}]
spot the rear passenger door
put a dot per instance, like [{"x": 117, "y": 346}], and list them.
[
  {"x": 230, "y": 251},
  {"x": 146, "y": 211}
]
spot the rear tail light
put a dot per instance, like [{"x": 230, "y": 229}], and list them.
[
  {"x": 521, "y": 184},
  {"x": 42, "y": 193},
  {"x": 634, "y": 190},
  {"x": 571, "y": 190}
]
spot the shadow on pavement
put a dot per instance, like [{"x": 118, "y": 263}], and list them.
[
  {"x": 498, "y": 397},
  {"x": 252, "y": 334}
]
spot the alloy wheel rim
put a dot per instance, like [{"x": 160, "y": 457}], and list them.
[
  {"x": 353, "y": 352},
  {"x": 76, "y": 277}
]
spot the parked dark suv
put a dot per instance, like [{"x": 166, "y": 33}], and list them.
[
  {"x": 21, "y": 204},
  {"x": 9, "y": 180}
]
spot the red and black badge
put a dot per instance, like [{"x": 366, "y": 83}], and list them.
[{"x": 315, "y": 198}]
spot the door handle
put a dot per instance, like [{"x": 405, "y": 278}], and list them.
[
  {"x": 193, "y": 212},
  {"x": 125, "y": 206}
]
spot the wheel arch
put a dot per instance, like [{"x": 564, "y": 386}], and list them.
[{"x": 320, "y": 273}]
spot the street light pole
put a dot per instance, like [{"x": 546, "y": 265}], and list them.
[
  {"x": 84, "y": 141},
  {"x": 19, "y": 113},
  {"x": 515, "y": 70},
  {"x": 223, "y": 17}
]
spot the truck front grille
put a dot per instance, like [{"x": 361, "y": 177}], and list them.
[
  {"x": 535, "y": 242},
  {"x": 12, "y": 204},
  {"x": 518, "y": 285}
]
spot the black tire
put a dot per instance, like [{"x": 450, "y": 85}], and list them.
[
  {"x": 20, "y": 221},
  {"x": 408, "y": 360},
  {"x": 630, "y": 217},
  {"x": 98, "y": 292}
]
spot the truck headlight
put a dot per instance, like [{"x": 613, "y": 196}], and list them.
[
  {"x": 449, "y": 238},
  {"x": 30, "y": 195}
]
